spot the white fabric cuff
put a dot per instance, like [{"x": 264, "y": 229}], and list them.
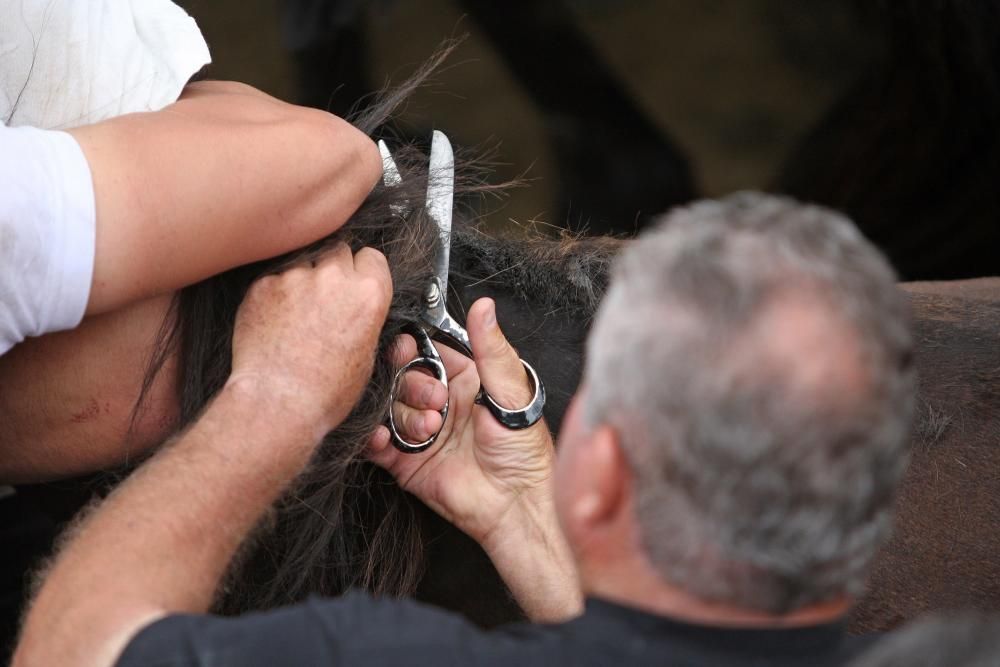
[
  {"x": 48, "y": 222},
  {"x": 75, "y": 239}
]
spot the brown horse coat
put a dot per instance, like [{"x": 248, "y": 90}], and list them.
[{"x": 945, "y": 549}]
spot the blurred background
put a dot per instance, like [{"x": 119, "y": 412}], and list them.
[{"x": 618, "y": 110}]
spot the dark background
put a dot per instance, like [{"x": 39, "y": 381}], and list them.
[{"x": 886, "y": 109}]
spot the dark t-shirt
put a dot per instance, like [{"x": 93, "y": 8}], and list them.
[{"x": 360, "y": 630}]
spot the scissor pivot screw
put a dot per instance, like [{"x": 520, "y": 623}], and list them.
[{"x": 432, "y": 295}]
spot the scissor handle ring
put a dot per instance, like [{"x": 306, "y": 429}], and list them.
[
  {"x": 436, "y": 367},
  {"x": 524, "y": 417}
]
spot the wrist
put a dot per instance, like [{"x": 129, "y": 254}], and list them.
[
  {"x": 531, "y": 517},
  {"x": 534, "y": 559},
  {"x": 272, "y": 398},
  {"x": 272, "y": 413}
]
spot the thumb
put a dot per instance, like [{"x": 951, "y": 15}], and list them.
[{"x": 499, "y": 367}]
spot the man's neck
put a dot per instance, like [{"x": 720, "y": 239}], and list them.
[{"x": 639, "y": 586}]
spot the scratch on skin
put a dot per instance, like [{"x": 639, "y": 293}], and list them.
[{"x": 89, "y": 413}]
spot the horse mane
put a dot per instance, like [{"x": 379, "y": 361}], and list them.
[{"x": 345, "y": 523}]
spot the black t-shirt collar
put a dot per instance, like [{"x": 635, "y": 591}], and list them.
[{"x": 601, "y": 615}]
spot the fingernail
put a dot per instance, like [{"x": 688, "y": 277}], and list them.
[{"x": 490, "y": 319}]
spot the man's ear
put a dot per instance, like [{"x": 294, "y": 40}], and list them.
[{"x": 603, "y": 478}]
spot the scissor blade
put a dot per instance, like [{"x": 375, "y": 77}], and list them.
[
  {"x": 390, "y": 172},
  {"x": 440, "y": 199}
]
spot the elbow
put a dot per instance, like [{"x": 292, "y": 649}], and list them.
[
  {"x": 349, "y": 162},
  {"x": 361, "y": 166},
  {"x": 365, "y": 162},
  {"x": 366, "y": 157}
]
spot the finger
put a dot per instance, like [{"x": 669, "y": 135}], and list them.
[
  {"x": 454, "y": 361},
  {"x": 372, "y": 263},
  {"x": 339, "y": 253},
  {"x": 415, "y": 425},
  {"x": 403, "y": 349},
  {"x": 380, "y": 449},
  {"x": 422, "y": 392},
  {"x": 499, "y": 366}
]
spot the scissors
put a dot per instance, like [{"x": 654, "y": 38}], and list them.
[{"x": 434, "y": 319}]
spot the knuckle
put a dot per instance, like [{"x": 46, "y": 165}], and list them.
[
  {"x": 375, "y": 255},
  {"x": 331, "y": 272},
  {"x": 498, "y": 346},
  {"x": 426, "y": 394},
  {"x": 262, "y": 286},
  {"x": 292, "y": 280},
  {"x": 414, "y": 423},
  {"x": 375, "y": 288}
]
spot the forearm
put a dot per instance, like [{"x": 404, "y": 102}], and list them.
[
  {"x": 534, "y": 559},
  {"x": 161, "y": 542},
  {"x": 219, "y": 179}
]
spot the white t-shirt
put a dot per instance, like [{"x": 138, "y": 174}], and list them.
[{"x": 47, "y": 233}]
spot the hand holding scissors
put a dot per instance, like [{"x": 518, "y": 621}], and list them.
[{"x": 434, "y": 319}]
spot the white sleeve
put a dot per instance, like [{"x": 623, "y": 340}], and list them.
[{"x": 47, "y": 233}]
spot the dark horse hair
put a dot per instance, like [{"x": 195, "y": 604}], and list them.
[{"x": 345, "y": 523}]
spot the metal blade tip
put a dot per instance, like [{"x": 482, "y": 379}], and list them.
[{"x": 390, "y": 172}]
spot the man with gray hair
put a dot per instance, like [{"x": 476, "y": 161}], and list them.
[
  {"x": 725, "y": 475},
  {"x": 753, "y": 359}
]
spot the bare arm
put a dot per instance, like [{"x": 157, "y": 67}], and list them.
[
  {"x": 66, "y": 398},
  {"x": 161, "y": 541},
  {"x": 226, "y": 176}
]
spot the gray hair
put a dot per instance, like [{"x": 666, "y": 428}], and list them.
[{"x": 764, "y": 463}]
